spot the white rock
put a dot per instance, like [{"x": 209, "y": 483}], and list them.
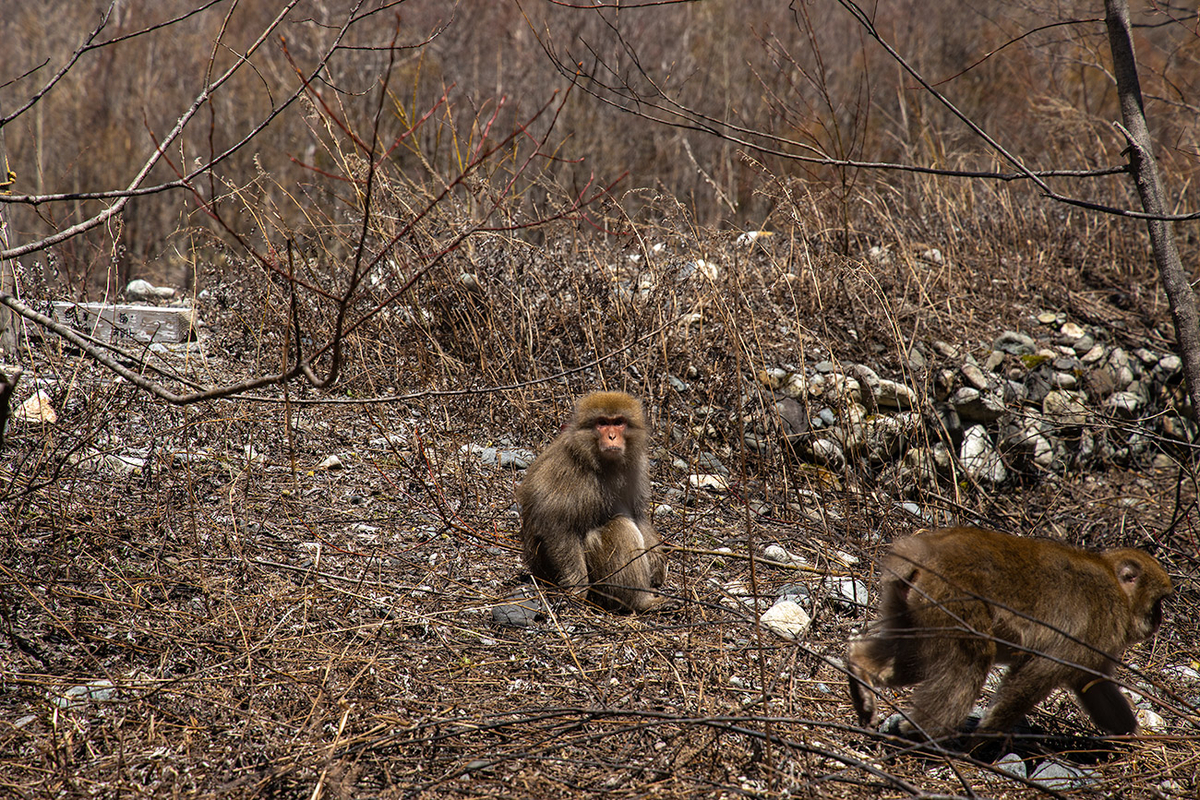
[
  {"x": 1027, "y": 433},
  {"x": 1071, "y": 330},
  {"x": 139, "y": 289},
  {"x": 37, "y": 409},
  {"x": 76, "y": 696},
  {"x": 332, "y": 462},
  {"x": 487, "y": 455},
  {"x": 775, "y": 552},
  {"x": 866, "y": 377},
  {"x": 795, "y": 386},
  {"x": 834, "y": 386},
  {"x": 1097, "y": 353},
  {"x": 1064, "y": 380},
  {"x": 750, "y": 237},
  {"x": 1012, "y": 764},
  {"x": 786, "y": 618},
  {"x": 1172, "y": 788},
  {"x": 772, "y": 378},
  {"x": 854, "y": 415},
  {"x": 1162, "y": 461},
  {"x": 1149, "y": 720},
  {"x": 980, "y": 458},
  {"x": 816, "y": 387},
  {"x": 847, "y": 593},
  {"x": 708, "y": 269},
  {"x": 1170, "y": 363},
  {"x": 845, "y": 558},
  {"x": 514, "y": 458},
  {"x": 1066, "y": 408},
  {"x": 1014, "y": 343},
  {"x": 1126, "y": 404},
  {"x": 1185, "y": 671},
  {"x": 849, "y": 388},
  {"x": 828, "y": 453},
  {"x": 883, "y": 435},
  {"x": 738, "y": 590},
  {"x": 1147, "y": 357},
  {"x": 1063, "y": 777},
  {"x": 976, "y": 406},
  {"x": 896, "y": 395},
  {"x": 713, "y": 482},
  {"x": 974, "y": 376}
]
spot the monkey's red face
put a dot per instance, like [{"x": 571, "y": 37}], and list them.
[{"x": 610, "y": 436}]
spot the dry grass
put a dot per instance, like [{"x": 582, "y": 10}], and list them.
[
  {"x": 805, "y": 74},
  {"x": 229, "y": 619},
  {"x": 274, "y": 629}
]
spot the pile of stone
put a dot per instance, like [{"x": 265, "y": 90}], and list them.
[{"x": 1063, "y": 401}]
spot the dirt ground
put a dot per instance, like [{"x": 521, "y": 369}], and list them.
[{"x": 222, "y": 613}]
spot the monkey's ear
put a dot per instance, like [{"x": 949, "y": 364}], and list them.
[{"x": 1128, "y": 572}]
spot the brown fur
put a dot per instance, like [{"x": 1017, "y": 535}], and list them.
[
  {"x": 584, "y": 520},
  {"x": 954, "y": 602}
]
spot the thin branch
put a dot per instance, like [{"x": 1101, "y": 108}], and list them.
[
  {"x": 660, "y": 107},
  {"x": 159, "y": 151}
]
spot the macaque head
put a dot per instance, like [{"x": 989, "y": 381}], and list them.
[
  {"x": 1146, "y": 585},
  {"x": 612, "y": 421}
]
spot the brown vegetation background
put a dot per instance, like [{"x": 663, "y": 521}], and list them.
[
  {"x": 271, "y": 627},
  {"x": 1034, "y": 76}
]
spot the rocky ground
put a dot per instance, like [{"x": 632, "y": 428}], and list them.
[{"x": 304, "y": 593}]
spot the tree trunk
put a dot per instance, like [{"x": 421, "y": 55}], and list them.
[
  {"x": 8, "y": 331},
  {"x": 8, "y": 320},
  {"x": 1175, "y": 280}
]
